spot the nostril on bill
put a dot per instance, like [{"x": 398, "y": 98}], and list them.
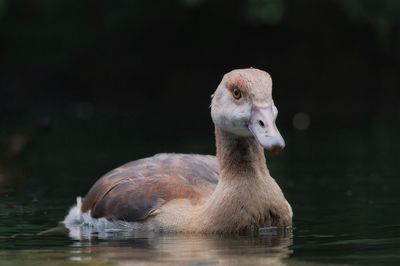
[{"x": 261, "y": 123}]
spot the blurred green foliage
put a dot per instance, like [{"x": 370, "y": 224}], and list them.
[
  {"x": 262, "y": 11},
  {"x": 91, "y": 51}
]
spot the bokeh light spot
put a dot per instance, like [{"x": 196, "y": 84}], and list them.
[{"x": 301, "y": 121}]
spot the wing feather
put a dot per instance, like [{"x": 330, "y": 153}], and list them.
[{"x": 138, "y": 189}]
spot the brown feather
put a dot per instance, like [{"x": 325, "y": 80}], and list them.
[{"x": 135, "y": 190}]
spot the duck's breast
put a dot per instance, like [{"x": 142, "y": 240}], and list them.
[{"x": 137, "y": 189}]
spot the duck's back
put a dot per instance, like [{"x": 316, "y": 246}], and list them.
[{"x": 137, "y": 189}]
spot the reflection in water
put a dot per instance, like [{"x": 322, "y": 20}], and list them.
[{"x": 184, "y": 248}]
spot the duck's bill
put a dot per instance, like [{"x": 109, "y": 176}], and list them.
[{"x": 262, "y": 126}]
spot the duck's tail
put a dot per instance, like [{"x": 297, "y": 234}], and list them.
[{"x": 74, "y": 216}]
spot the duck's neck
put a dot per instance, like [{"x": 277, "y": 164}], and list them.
[
  {"x": 239, "y": 157},
  {"x": 244, "y": 190}
]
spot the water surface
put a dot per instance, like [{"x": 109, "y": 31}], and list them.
[{"x": 343, "y": 187}]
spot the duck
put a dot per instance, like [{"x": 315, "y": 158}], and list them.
[{"x": 230, "y": 192}]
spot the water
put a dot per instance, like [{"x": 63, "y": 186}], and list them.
[{"x": 343, "y": 186}]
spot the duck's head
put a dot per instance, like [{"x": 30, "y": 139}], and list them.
[{"x": 242, "y": 105}]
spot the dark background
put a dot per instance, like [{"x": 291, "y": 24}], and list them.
[{"x": 88, "y": 85}]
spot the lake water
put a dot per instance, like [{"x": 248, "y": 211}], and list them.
[{"x": 343, "y": 186}]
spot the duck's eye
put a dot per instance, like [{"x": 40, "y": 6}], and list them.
[{"x": 237, "y": 94}]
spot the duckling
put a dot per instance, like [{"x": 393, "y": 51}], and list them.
[{"x": 228, "y": 193}]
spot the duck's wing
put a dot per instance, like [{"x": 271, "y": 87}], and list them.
[{"x": 135, "y": 190}]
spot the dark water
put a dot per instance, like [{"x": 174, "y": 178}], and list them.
[{"x": 343, "y": 186}]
